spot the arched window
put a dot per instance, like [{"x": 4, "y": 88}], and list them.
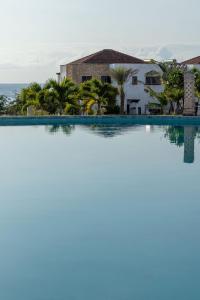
[{"x": 153, "y": 78}]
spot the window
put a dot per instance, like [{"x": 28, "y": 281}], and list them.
[
  {"x": 134, "y": 80},
  {"x": 106, "y": 79},
  {"x": 86, "y": 78},
  {"x": 153, "y": 80}
]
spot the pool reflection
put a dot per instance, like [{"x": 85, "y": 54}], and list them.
[
  {"x": 66, "y": 129},
  {"x": 189, "y": 140},
  {"x": 180, "y": 136},
  {"x": 184, "y": 136}
]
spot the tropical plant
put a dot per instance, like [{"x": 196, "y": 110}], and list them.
[
  {"x": 48, "y": 101},
  {"x": 160, "y": 97},
  {"x": 63, "y": 92},
  {"x": 173, "y": 82},
  {"x": 3, "y": 104},
  {"x": 172, "y": 73},
  {"x": 196, "y": 73},
  {"x": 175, "y": 96},
  {"x": 97, "y": 93},
  {"x": 28, "y": 97},
  {"x": 121, "y": 75}
]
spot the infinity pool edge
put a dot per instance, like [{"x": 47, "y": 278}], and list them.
[{"x": 98, "y": 120}]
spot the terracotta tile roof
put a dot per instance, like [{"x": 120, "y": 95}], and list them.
[
  {"x": 108, "y": 56},
  {"x": 192, "y": 61}
]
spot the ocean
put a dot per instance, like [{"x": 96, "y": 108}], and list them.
[{"x": 11, "y": 89}]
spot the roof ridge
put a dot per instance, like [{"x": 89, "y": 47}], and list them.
[
  {"x": 86, "y": 57},
  {"x": 128, "y": 55},
  {"x": 193, "y": 58},
  {"x": 108, "y": 56}
]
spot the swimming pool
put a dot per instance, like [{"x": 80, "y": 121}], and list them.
[{"x": 99, "y": 212}]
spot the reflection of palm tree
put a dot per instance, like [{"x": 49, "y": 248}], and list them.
[
  {"x": 175, "y": 135},
  {"x": 66, "y": 129},
  {"x": 108, "y": 131},
  {"x": 183, "y": 136}
]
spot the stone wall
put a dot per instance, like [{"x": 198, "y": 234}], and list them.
[{"x": 76, "y": 71}]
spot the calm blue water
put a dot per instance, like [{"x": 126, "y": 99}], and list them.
[
  {"x": 10, "y": 89},
  {"x": 104, "y": 213}
]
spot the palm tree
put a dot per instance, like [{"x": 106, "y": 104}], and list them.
[
  {"x": 160, "y": 97},
  {"x": 172, "y": 72},
  {"x": 175, "y": 95},
  {"x": 64, "y": 92},
  {"x": 168, "y": 96},
  {"x": 28, "y": 97},
  {"x": 173, "y": 82},
  {"x": 3, "y": 103},
  {"x": 48, "y": 101},
  {"x": 95, "y": 92},
  {"x": 121, "y": 76},
  {"x": 196, "y": 73}
]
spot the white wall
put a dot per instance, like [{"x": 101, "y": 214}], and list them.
[
  {"x": 63, "y": 72},
  {"x": 190, "y": 67},
  {"x": 133, "y": 91},
  {"x": 138, "y": 91}
]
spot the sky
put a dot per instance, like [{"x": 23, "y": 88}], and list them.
[{"x": 39, "y": 35}]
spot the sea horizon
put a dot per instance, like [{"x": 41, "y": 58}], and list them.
[{"x": 10, "y": 90}]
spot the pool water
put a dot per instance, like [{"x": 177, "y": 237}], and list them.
[{"x": 104, "y": 213}]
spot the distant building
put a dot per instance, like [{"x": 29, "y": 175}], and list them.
[
  {"x": 192, "y": 63},
  {"x": 98, "y": 65}
]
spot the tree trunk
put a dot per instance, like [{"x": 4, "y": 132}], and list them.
[
  {"x": 99, "y": 109},
  {"x": 171, "y": 109},
  {"x": 179, "y": 109},
  {"x": 122, "y": 100}
]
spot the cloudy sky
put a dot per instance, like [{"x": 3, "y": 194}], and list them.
[{"x": 38, "y": 35}]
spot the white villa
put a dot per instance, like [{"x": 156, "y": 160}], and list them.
[{"x": 98, "y": 65}]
